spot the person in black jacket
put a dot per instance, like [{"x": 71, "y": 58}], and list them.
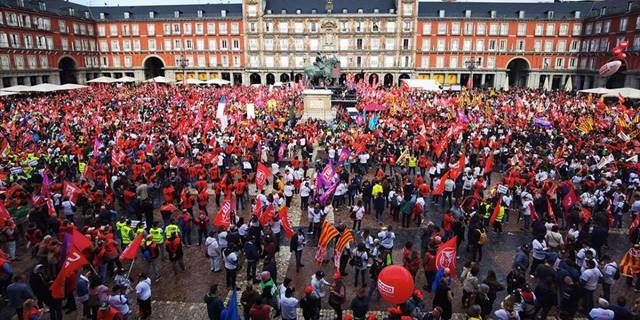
[
  {"x": 310, "y": 305},
  {"x": 374, "y": 270},
  {"x": 296, "y": 246},
  {"x": 360, "y": 305},
  {"x": 252, "y": 256}
]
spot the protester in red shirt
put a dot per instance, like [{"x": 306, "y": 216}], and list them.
[{"x": 260, "y": 310}]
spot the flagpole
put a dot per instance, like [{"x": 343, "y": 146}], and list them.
[{"x": 131, "y": 267}]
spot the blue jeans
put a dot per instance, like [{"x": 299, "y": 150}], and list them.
[
  {"x": 11, "y": 249},
  {"x": 527, "y": 221}
]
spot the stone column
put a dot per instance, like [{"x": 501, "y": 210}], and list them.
[{"x": 534, "y": 79}]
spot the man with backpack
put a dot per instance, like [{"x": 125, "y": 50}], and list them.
[
  {"x": 610, "y": 273},
  {"x": 150, "y": 253}
]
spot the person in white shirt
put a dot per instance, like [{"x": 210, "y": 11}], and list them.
[
  {"x": 358, "y": 214},
  {"x": 231, "y": 267},
  {"x": 589, "y": 281},
  {"x": 538, "y": 253},
  {"x": 214, "y": 252},
  {"x": 143, "y": 293},
  {"x": 449, "y": 186},
  {"x": 387, "y": 237},
  {"x": 288, "y": 305},
  {"x": 319, "y": 285},
  {"x": 339, "y": 196},
  {"x": 305, "y": 192},
  {"x": 609, "y": 270},
  {"x": 527, "y": 206},
  {"x": 602, "y": 312},
  {"x": 289, "y": 189},
  {"x": 119, "y": 301}
]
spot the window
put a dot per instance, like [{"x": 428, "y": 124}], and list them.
[
  {"x": 623, "y": 24},
  {"x": 253, "y": 27},
  {"x": 638, "y": 23},
  {"x": 589, "y": 28},
  {"x": 636, "y": 43},
  {"x": 176, "y": 28},
  {"x": 455, "y": 45},
  {"x": 176, "y": 14},
  {"x": 359, "y": 44},
  {"x": 491, "y": 62},
  {"x": 492, "y": 14},
  {"x": 607, "y": 26},
  {"x": 235, "y": 44},
  {"x": 406, "y": 26},
  {"x": 314, "y": 26},
  {"x": 113, "y": 30},
  {"x": 537, "y": 46},
  {"x": 442, "y": 28},
  {"x": 101, "y": 30},
  {"x": 222, "y": 28},
  {"x": 493, "y": 29},
  {"x": 572, "y": 63},
  {"x": 151, "y": 29},
  {"x": 135, "y": 29},
  {"x": 388, "y": 61},
  {"x": 313, "y": 44},
  {"x": 188, "y": 44},
  {"x": 283, "y": 27},
  {"x": 151, "y": 44},
  {"x": 440, "y": 62},
  {"x": 19, "y": 61},
  {"x": 299, "y": 44},
  {"x": 299, "y": 61},
  {"x": 405, "y": 44},
  {"x": 551, "y": 29},
  {"x": 4, "y": 62},
  {"x": 201, "y": 60},
  {"x": 14, "y": 40},
  {"x": 468, "y": 28},
  {"x": 128, "y": 62},
  {"x": 441, "y": 45},
  {"x": 564, "y": 29},
  {"x": 115, "y": 45},
  {"x": 116, "y": 62},
  {"x": 358, "y": 25},
  {"x": 373, "y": 61},
  {"x": 561, "y": 46},
  {"x": 503, "y": 45},
  {"x": 539, "y": 29},
  {"x": 481, "y": 29},
  {"x": 223, "y": 44},
  {"x": 211, "y": 28},
  {"x": 32, "y": 62},
  {"x": 213, "y": 44},
  {"x": 213, "y": 61},
  {"x": 166, "y": 29},
  {"x": 466, "y": 45},
  {"x": 426, "y": 28},
  {"x": 125, "y": 30},
  {"x": 522, "y": 29},
  {"x": 358, "y": 61},
  {"x": 504, "y": 29},
  {"x": 520, "y": 45},
  {"x": 284, "y": 44},
  {"x": 199, "y": 28},
  {"x": 252, "y": 11},
  {"x": 375, "y": 26},
  {"x": 44, "y": 61},
  {"x": 152, "y": 14},
  {"x": 453, "y": 62},
  {"x": 136, "y": 45},
  {"x": 299, "y": 27},
  {"x": 269, "y": 61},
  {"x": 253, "y": 44},
  {"x": 604, "y": 44},
  {"x": 187, "y": 28},
  {"x": 389, "y": 43},
  {"x": 548, "y": 46},
  {"x": 407, "y": 9},
  {"x": 177, "y": 44},
  {"x": 28, "y": 41},
  {"x": 574, "y": 45},
  {"x": 391, "y": 27},
  {"x": 236, "y": 61},
  {"x": 598, "y": 27},
  {"x": 424, "y": 62},
  {"x": 467, "y": 13},
  {"x": 480, "y": 45},
  {"x": 559, "y": 63},
  {"x": 375, "y": 43},
  {"x": 492, "y": 45},
  {"x": 167, "y": 45},
  {"x": 455, "y": 28},
  {"x": 426, "y": 44},
  {"x": 235, "y": 28}
]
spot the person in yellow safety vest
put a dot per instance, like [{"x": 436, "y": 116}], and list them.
[
  {"x": 486, "y": 211},
  {"x": 497, "y": 225},
  {"x": 413, "y": 163},
  {"x": 126, "y": 234},
  {"x": 158, "y": 238},
  {"x": 139, "y": 229},
  {"x": 171, "y": 229},
  {"x": 377, "y": 188},
  {"x": 121, "y": 223}
]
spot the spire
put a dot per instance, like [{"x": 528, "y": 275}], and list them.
[{"x": 329, "y": 5}]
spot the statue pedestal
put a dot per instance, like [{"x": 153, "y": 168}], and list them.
[{"x": 317, "y": 105}]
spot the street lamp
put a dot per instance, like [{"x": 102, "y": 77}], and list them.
[
  {"x": 471, "y": 65},
  {"x": 183, "y": 63}
]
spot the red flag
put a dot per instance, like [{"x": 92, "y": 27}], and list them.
[
  {"x": 470, "y": 83},
  {"x": 73, "y": 261},
  {"x": 283, "y": 213},
  {"x": 496, "y": 211},
  {"x": 446, "y": 256},
  {"x": 257, "y": 210},
  {"x": 457, "y": 170},
  {"x": 440, "y": 188},
  {"x": 261, "y": 175},
  {"x": 488, "y": 166},
  {"x": 585, "y": 214},
  {"x": 223, "y": 218},
  {"x": 634, "y": 224},
  {"x": 4, "y": 213},
  {"x": 267, "y": 215},
  {"x": 550, "y": 213},
  {"x": 131, "y": 251},
  {"x": 79, "y": 240},
  {"x": 50, "y": 208},
  {"x": 71, "y": 191},
  {"x": 570, "y": 199},
  {"x": 534, "y": 214}
]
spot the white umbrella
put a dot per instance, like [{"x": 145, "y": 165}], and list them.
[
  {"x": 72, "y": 86},
  {"x": 629, "y": 93},
  {"x": 102, "y": 80},
  {"x": 505, "y": 85},
  {"x": 219, "y": 82},
  {"x": 126, "y": 79},
  {"x": 161, "y": 79},
  {"x": 195, "y": 81},
  {"x": 568, "y": 86},
  {"x": 18, "y": 88},
  {"x": 547, "y": 84},
  {"x": 44, "y": 87},
  {"x": 6, "y": 93},
  {"x": 595, "y": 90}
]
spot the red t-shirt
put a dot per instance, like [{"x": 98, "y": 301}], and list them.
[{"x": 260, "y": 312}]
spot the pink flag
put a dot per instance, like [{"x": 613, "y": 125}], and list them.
[{"x": 96, "y": 147}]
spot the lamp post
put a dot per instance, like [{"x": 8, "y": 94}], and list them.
[
  {"x": 183, "y": 63},
  {"x": 471, "y": 65}
]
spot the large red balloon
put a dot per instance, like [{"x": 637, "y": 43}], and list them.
[
  {"x": 621, "y": 55},
  {"x": 617, "y": 50},
  {"x": 623, "y": 45},
  {"x": 395, "y": 284}
]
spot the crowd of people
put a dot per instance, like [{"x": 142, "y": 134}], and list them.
[{"x": 87, "y": 175}]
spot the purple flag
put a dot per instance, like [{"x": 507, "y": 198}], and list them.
[
  {"x": 326, "y": 176},
  {"x": 96, "y": 147},
  {"x": 281, "y": 151},
  {"x": 344, "y": 155},
  {"x": 44, "y": 191},
  {"x": 541, "y": 122},
  {"x": 328, "y": 193}
]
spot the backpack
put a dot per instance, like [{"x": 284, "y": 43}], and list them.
[
  {"x": 616, "y": 275},
  {"x": 483, "y": 237},
  {"x": 357, "y": 261}
]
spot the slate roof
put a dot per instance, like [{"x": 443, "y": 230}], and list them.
[
  {"x": 59, "y": 7},
  {"x": 352, "y": 6},
  {"x": 561, "y": 10},
  {"x": 167, "y": 11}
]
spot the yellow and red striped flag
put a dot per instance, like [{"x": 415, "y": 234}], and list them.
[{"x": 327, "y": 233}]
